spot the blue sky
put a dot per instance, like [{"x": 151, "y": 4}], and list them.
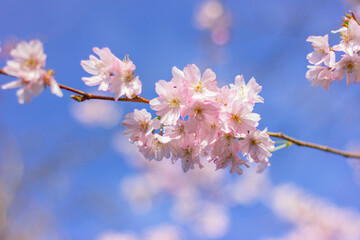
[{"x": 267, "y": 42}]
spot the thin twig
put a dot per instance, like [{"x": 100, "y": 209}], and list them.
[
  {"x": 313, "y": 145},
  {"x": 3, "y": 72},
  {"x": 83, "y": 96}
]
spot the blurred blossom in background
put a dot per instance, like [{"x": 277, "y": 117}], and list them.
[
  {"x": 355, "y": 6},
  {"x": 213, "y": 16},
  {"x": 97, "y": 113},
  {"x": 68, "y": 172},
  {"x": 6, "y": 45},
  {"x": 313, "y": 217}
]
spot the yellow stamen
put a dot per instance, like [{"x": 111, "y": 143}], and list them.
[
  {"x": 236, "y": 118},
  {"x": 198, "y": 87},
  {"x": 31, "y": 63},
  {"x": 174, "y": 101}
]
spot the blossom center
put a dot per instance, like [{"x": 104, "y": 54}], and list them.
[
  {"x": 157, "y": 144},
  {"x": 198, "y": 110},
  {"x": 129, "y": 76},
  {"x": 242, "y": 92},
  {"x": 143, "y": 125},
  {"x": 174, "y": 101},
  {"x": 350, "y": 66},
  {"x": 31, "y": 64},
  {"x": 236, "y": 118},
  {"x": 188, "y": 154},
  {"x": 346, "y": 37},
  {"x": 198, "y": 87}
]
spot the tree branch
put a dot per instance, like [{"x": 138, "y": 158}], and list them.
[
  {"x": 3, "y": 72},
  {"x": 313, "y": 145},
  {"x": 83, "y": 96}
]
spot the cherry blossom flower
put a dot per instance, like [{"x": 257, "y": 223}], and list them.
[
  {"x": 176, "y": 131},
  {"x": 230, "y": 157},
  {"x": 123, "y": 81},
  {"x": 224, "y": 140},
  {"x": 240, "y": 118},
  {"x": 139, "y": 124},
  {"x": 350, "y": 35},
  {"x": 112, "y": 74},
  {"x": 320, "y": 76},
  {"x": 247, "y": 92},
  {"x": 48, "y": 80},
  {"x": 28, "y": 66},
  {"x": 257, "y": 146},
  {"x": 156, "y": 147},
  {"x": 201, "y": 115},
  {"x": 26, "y": 91},
  {"x": 101, "y": 68},
  {"x": 226, "y": 96},
  {"x": 29, "y": 61},
  {"x": 350, "y": 66},
  {"x": 322, "y": 51},
  {"x": 200, "y": 86},
  {"x": 188, "y": 152},
  {"x": 172, "y": 99}
]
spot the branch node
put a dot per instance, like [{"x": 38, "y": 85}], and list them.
[{"x": 77, "y": 98}]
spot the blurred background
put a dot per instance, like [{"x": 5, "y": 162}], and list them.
[{"x": 67, "y": 171}]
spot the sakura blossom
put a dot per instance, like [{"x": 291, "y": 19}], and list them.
[
  {"x": 230, "y": 159},
  {"x": 156, "y": 147},
  {"x": 202, "y": 122},
  {"x": 320, "y": 76},
  {"x": 200, "y": 116},
  {"x": 350, "y": 35},
  {"x": 101, "y": 69},
  {"x": 139, "y": 125},
  {"x": 240, "y": 119},
  {"x": 200, "y": 86},
  {"x": 29, "y": 61},
  {"x": 189, "y": 153},
  {"x": 28, "y": 65},
  {"x": 247, "y": 92},
  {"x": 123, "y": 81},
  {"x": 348, "y": 65},
  {"x": 322, "y": 51},
  {"x": 112, "y": 74},
  {"x": 172, "y": 99},
  {"x": 257, "y": 146}
]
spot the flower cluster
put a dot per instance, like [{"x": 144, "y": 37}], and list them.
[
  {"x": 28, "y": 66},
  {"x": 112, "y": 74},
  {"x": 198, "y": 120},
  {"x": 325, "y": 69}
]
